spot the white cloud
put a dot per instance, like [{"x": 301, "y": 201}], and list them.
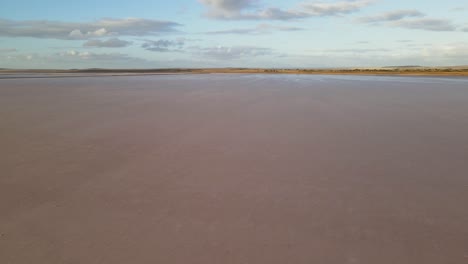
[
  {"x": 7, "y": 50},
  {"x": 77, "y": 34},
  {"x": 87, "y": 55},
  {"x": 164, "y": 45},
  {"x": 243, "y": 10},
  {"x": 259, "y": 29},
  {"x": 84, "y": 30},
  {"x": 336, "y": 8},
  {"x": 406, "y": 19},
  {"x": 458, "y": 9},
  {"x": 447, "y": 51},
  {"x": 226, "y": 8},
  {"x": 109, "y": 43},
  {"x": 430, "y": 24},
  {"x": 357, "y": 50},
  {"x": 392, "y": 16},
  {"x": 75, "y": 59},
  {"x": 229, "y": 53}
]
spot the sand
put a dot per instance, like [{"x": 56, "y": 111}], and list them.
[{"x": 234, "y": 169}]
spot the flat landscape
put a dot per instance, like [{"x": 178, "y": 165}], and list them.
[
  {"x": 391, "y": 70},
  {"x": 233, "y": 168}
]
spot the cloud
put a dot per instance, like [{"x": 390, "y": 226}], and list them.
[
  {"x": 164, "y": 45},
  {"x": 75, "y": 59},
  {"x": 391, "y": 16},
  {"x": 430, "y": 24},
  {"x": 77, "y": 34},
  {"x": 229, "y": 53},
  {"x": 109, "y": 43},
  {"x": 432, "y": 55},
  {"x": 458, "y": 9},
  {"x": 87, "y": 55},
  {"x": 213, "y": 52},
  {"x": 332, "y": 9},
  {"x": 84, "y": 30},
  {"x": 244, "y": 9},
  {"x": 406, "y": 19},
  {"x": 450, "y": 51},
  {"x": 260, "y": 29},
  {"x": 74, "y": 56},
  {"x": 355, "y": 50},
  {"x": 7, "y": 50},
  {"x": 226, "y": 8}
]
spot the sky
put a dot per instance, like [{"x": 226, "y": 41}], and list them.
[{"x": 55, "y": 34}]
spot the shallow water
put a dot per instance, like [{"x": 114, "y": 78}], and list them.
[{"x": 233, "y": 168}]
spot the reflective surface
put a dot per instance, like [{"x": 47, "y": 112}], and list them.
[{"x": 234, "y": 169}]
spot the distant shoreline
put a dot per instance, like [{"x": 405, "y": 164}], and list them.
[{"x": 397, "y": 71}]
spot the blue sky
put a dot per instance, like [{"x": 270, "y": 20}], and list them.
[{"x": 228, "y": 33}]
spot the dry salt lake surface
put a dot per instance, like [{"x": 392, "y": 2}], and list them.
[{"x": 221, "y": 168}]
